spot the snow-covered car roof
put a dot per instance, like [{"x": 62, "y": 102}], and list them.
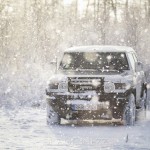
[{"x": 98, "y": 48}]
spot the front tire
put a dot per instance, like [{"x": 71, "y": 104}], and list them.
[
  {"x": 130, "y": 111},
  {"x": 52, "y": 116}
]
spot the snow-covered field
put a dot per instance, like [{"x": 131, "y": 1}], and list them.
[{"x": 26, "y": 128}]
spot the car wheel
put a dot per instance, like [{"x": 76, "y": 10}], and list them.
[
  {"x": 145, "y": 99},
  {"x": 52, "y": 116},
  {"x": 142, "y": 114},
  {"x": 130, "y": 111}
]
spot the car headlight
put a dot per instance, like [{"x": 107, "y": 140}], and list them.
[
  {"x": 62, "y": 86},
  {"x": 53, "y": 86},
  {"x": 109, "y": 87}
]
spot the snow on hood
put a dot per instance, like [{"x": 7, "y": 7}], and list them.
[{"x": 115, "y": 77}]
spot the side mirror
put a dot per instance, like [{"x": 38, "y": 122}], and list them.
[
  {"x": 138, "y": 66},
  {"x": 53, "y": 62}
]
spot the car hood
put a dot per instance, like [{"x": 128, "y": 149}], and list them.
[{"x": 108, "y": 76}]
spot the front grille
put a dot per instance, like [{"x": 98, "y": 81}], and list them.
[{"x": 83, "y": 84}]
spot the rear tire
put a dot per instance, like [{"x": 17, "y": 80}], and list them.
[
  {"x": 145, "y": 99},
  {"x": 130, "y": 111},
  {"x": 142, "y": 114},
  {"x": 52, "y": 116}
]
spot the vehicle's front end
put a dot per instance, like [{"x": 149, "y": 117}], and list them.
[
  {"x": 94, "y": 91},
  {"x": 89, "y": 98}
]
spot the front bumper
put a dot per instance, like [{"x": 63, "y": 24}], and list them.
[
  {"x": 100, "y": 121},
  {"x": 117, "y": 102}
]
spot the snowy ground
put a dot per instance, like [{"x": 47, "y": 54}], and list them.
[{"x": 26, "y": 128}]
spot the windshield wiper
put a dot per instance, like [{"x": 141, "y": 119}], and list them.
[{"x": 110, "y": 70}]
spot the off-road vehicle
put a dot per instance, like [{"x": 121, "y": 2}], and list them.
[{"x": 97, "y": 84}]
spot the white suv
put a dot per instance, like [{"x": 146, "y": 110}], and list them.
[{"x": 97, "y": 84}]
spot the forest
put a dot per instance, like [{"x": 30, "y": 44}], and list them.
[{"x": 34, "y": 32}]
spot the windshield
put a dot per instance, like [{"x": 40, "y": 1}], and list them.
[{"x": 94, "y": 61}]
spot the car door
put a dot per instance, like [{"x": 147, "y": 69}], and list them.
[
  {"x": 137, "y": 77},
  {"x": 141, "y": 73}
]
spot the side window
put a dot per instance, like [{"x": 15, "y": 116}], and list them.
[{"x": 132, "y": 60}]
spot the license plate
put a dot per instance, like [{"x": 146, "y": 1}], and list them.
[
  {"x": 86, "y": 87},
  {"x": 84, "y": 107}
]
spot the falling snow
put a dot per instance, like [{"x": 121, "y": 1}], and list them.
[{"x": 33, "y": 33}]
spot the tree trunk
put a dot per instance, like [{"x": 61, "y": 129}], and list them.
[
  {"x": 76, "y": 9},
  {"x": 148, "y": 10},
  {"x": 87, "y": 7},
  {"x": 94, "y": 11},
  {"x": 127, "y": 9},
  {"x": 114, "y": 7},
  {"x": 104, "y": 22}
]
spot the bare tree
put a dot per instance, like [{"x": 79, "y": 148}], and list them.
[
  {"x": 148, "y": 10},
  {"x": 114, "y": 7},
  {"x": 87, "y": 7}
]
